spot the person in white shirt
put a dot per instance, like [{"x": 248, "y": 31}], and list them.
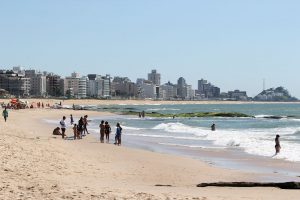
[{"x": 63, "y": 127}]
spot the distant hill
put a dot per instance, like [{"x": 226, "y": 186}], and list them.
[{"x": 277, "y": 94}]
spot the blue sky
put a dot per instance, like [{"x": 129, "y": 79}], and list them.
[{"x": 233, "y": 44}]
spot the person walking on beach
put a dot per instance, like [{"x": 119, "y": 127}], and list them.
[
  {"x": 5, "y": 114},
  {"x": 118, "y": 135},
  {"x": 102, "y": 131},
  {"x": 63, "y": 127},
  {"x": 71, "y": 119},
  {"x": 277, "y": 145},
  {"x": 107, "y": 131}
]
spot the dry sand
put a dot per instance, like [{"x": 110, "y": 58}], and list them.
[{"x": 37, "y": 165}]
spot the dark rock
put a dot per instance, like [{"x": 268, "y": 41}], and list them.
[{"x": 283, "y": 185}]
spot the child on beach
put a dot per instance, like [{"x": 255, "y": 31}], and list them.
[
  {"x": 75, "y": 131},
  {"x": 118, "y": 135}
]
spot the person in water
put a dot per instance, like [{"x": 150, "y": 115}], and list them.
[
  {"x": 277, "y": 145},
  {"x": 213, "y": 127}
]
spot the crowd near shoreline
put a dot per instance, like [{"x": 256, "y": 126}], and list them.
[{"x": 80, "y": 130}]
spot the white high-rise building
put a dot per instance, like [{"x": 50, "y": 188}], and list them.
[
  {"x": 190, "y": 92},
  {"x": 106, "y": 86},
  {"x": 82, "y": 87}
]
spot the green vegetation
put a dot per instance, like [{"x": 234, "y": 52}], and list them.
[{"x": 196, "y": 114}]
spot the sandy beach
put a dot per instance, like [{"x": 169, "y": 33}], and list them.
[{"x": 37, "y": 165}]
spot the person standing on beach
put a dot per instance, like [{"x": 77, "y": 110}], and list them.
[
  {"x": 107, "y": 131},
  {"x": 85, "y": 123},
  {"x": 63, "y": 127},
  {"x": 75, "y": 131},
  {"x": 80, "y": 127},
  {"x": 102, "y": 131},
  {"x": 71, "y": 119},
  {"x": 118, "y": 135},
  {"x": 5, "y": 114},
  {"x": 277, "y": 145}
]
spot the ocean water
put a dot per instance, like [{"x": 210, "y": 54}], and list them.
[{"x": 253, "y": 136}]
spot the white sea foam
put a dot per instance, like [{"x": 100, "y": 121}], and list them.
[
  {"x": 253, "y": 141},
  {"x": 181, "y": 128},
  {"x": 164, "y": 136}
]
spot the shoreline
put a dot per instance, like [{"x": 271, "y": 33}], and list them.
[{"x": 37, "y": 165}]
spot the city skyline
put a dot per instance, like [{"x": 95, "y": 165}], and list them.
[
  {"x": 233, "y": 44},
  {"x": 23, "y": 82}
]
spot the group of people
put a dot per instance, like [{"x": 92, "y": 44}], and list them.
[
  {"x": 142, "y": 114},
  {"x": 80, "y": 129},
  {"x": 105, "y": 130}
]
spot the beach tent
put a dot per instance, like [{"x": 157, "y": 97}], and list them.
[{"x": 13, "y": 101}]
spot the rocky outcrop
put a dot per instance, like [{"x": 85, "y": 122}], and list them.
[{"x": 283, "y": 185}]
